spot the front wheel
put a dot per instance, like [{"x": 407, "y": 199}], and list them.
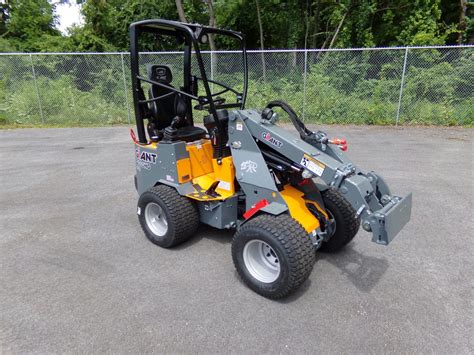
[
  {"x": 273, "y": 255},
  {"x": 345, "y": 222}
]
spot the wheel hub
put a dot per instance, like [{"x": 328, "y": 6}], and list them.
[
  {"x": 331, "y": 223},
  {"x": 261, "y": 261},
  {"x": 155, "y": 219}
]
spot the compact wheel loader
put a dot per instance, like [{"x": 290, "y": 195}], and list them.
[{"x": 285, "y": 195}]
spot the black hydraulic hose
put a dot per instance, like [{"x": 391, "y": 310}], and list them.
[{"x": 300, "y": 127}]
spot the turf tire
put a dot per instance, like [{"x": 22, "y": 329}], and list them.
[
  {"x": 290, "y": 242},
  {"x": 347, "y": 224},
  {"x": 180, "y": 212}
]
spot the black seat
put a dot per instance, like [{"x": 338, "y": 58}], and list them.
[
  {"x": 163, "y": 110},
  {"x": 168, "y": 108}
]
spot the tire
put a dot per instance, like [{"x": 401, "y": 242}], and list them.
[
  {"x": 166, "y": 217},
  {"x": 288, "y": 248},
  {"x": 346, "y": 222}
]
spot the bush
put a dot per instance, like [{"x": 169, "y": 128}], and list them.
[{"x": 341, "y": 87}]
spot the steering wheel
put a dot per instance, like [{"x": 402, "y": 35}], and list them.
[{"x": 225, "y": 87}]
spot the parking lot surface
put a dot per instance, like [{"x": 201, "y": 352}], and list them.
[{"x": 78, "y": 275}]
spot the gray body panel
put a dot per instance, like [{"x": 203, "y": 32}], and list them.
[
  {"x": 380, "y": 212},
  {"x": 251, "y": 170},
  {"x": 161, "y": 169},
  {"x": 219, "y": 214}
]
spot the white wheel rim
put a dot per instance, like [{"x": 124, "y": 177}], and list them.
[
  {"x": 261, "y": 261},
  {"x": 155, "y": 219}
]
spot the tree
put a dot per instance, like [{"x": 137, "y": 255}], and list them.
[
  {"x": 29, "y": 25},
  {"x": 462, "y": 20},
  {"x": 179, "y": 7},
  {"x": 26, "y": 24},
  {"x": 262, "y": 46}
]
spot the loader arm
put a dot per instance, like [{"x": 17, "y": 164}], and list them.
[{"x": 381, "y": 213}]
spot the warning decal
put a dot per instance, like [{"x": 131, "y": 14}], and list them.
[{"x": 312, "y": 165}]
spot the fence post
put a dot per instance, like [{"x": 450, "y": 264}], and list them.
[
  {"x": 36, "y": 88},
  {"x": 401, "y": 86},
  {"x": 304, "y": 79},
  {"x": 212, "y": 70},
  {"x": 125, "y": 87}
]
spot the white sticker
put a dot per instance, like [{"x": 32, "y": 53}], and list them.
[
  {"x": 139, "y": 211},
  {"x": 224, "y": 185},
  {"x": 312, "y": 165},
  {"x": 249, "y": 166},
  {"x": 169, "y": 178},
  {"x": 141, "y": 164},
  {"x": 239, "y": 126}
]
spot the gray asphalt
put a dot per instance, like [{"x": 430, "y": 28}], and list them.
[{"x": 78, "y": 275}]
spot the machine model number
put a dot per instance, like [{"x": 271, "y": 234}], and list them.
[{"x": 312, "y": 165}]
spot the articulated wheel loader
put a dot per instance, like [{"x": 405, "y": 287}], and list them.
[{"x": 285, "y": 195}]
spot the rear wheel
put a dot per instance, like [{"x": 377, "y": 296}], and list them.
[
  {"x": 346, "y": 224},
  {"x": 166, "y": 217},
  {"x": 273, "y": 255}
]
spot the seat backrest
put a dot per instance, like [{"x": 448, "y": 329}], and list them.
[{"x": 163, "y": 110}]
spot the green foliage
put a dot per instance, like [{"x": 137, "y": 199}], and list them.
[
  {"x": 29, "y": 25},
  {"x": 341, "y": 87},
  {"x": 61, "y": 102}
]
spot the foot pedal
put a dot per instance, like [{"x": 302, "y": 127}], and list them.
[{"x": 211, "y": 191}]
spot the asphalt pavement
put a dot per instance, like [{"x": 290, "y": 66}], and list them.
[{"x": 78, "y": 275}]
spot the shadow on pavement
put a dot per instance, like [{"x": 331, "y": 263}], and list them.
[
  {"x": 204, "y": 231},
  {"x": 362, "y": 270}
]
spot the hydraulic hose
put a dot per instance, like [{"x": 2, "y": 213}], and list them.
[{"x": 299, "y": 125}]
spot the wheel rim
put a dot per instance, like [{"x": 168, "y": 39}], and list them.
[
  {"x": 155, "y": 219},
  {"x": 261, "y": 261}
]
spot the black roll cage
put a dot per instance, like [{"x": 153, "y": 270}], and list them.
[{"x": 191, "y": 33}]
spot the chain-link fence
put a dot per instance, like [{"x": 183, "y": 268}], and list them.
[{"x": 414, "y": 85}]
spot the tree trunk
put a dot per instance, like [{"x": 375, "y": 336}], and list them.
[
  {"x": 212, "y": 23},
  {"x": 264, "y": 71},
  {"x": 462, "y": 20},
  {"x": 318, "y": 55},
  {"x": 314, "y": 41},
  {"x": 179, "y": 7},
  {"x": 333, "y": 40},
  {"x": 306, "y": 30},
  {"x": 212, "y": 44}
]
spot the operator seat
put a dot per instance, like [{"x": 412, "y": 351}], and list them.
[{"x": 164, "y": 110}]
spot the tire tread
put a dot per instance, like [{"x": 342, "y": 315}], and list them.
[
  {"x": 184, "y": 216},
  {"x": 350, "y": 225},
  {"x": 297, "y": 244}
]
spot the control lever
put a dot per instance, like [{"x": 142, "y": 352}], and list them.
[
  {"x": 171, "y": 131},
  {"x": 340, "y": 142}
]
